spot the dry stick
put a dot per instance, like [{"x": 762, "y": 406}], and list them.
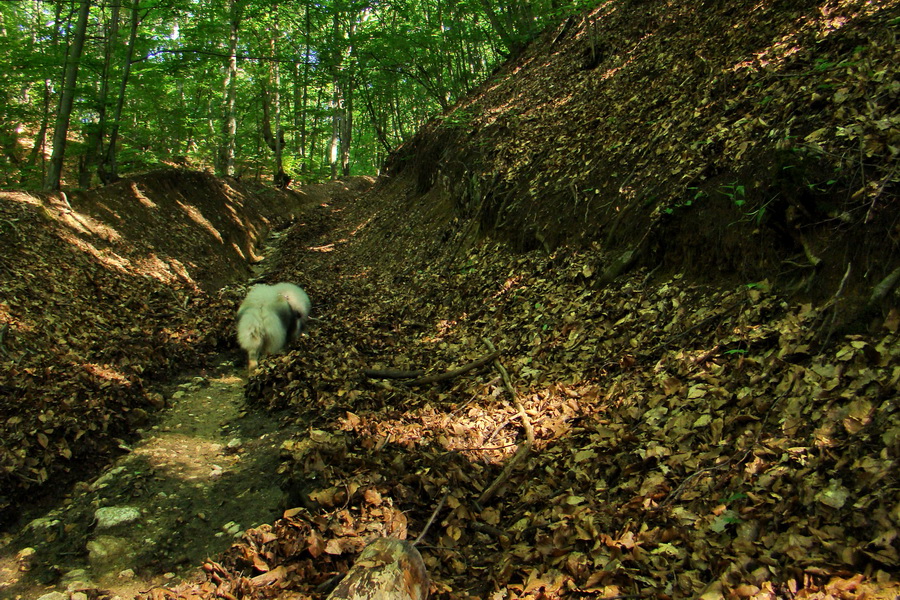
[
  {"x": 431, "y": 520},
  {"x": 834, "y": 302},
  {"x": 451, "y": 374},
  {"x": 391, "y": 374},
  {"x": 525, "y": 448}
]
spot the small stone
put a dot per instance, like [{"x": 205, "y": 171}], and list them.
[
  {"x": 112, "y": 516},
  {"x": 54, "y": 596},
  {"x": 232, "y": 529},
  {"x": 76, "y": 578},
  {"x": 234, "y": 444},
  {"x": 25, "y": 558},
  {"x": 78, "y": 596},
  {"x": 169, "y": 575},
  {"x": 126, "y": 574},
  {"x": 156, "y": 400},
  {"x": 108, "y": 554},
  {"x": 43, "y": 523},
  {"x": 178, "y": 395}
]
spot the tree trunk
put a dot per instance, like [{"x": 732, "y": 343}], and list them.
[
  {"x": 334, "y": 145},
  {"x": 229, "y": 120},
  {"x": 61, "y": 129},
  {"x": 386, "y": 569},
  {"x": 96, "y": 132},
  {"x": 301, "y": 97},
  {"x": 281, "y": 179},
  {"x": 346, "y": 130},
  {"x": 108, "y": 169}
]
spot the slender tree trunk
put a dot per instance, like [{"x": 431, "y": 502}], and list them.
[
  {"x": 40, "y": 140},
  {"x": 375, "y": 119},
  {"x": 314, "y": 132},
  {"x": 61, "y": 129},
  {"x": 303, "y": 97},
  {"x": 274, "y": 135},
  {"x": 334, "y": 144},
  {"x": 229, "y": 120},
  {"x": 108, "y": 169},
  {"x": 281, "y": 178},
  {"x": 346, "y": 130},
  {"x": 336, "y": 93},
  {"x": 39, "y": 150},
  {"x": 95, "y": 131}
]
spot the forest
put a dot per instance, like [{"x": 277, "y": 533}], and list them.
[
  {"x": 605, "y": 299},
  {"x": 307, "y": 91}
]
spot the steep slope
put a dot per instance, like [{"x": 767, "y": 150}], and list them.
[
  {"x": 759, "y": 139},
  {"x": 101, "y": 296}
]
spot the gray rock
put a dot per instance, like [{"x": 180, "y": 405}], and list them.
[
  {"x": 112, "y": 516},
  {"x": 54, "y": 596},
  {"x": 109, "y": 554},
  {"x": 77, "y": 578},
  {"x": 43, "y": 523},
  {"x": 106, "y": 478}
]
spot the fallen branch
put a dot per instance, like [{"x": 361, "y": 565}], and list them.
[
  {"x": 455, "y": 372},
  {"x": 525, "y": 448},
  {"x": 431, "y": 520},
  {"x": 391, "y": 374}
]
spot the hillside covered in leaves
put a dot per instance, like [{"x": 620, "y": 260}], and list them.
[
  {"x": 622, "y": 324},
  {"x": 758, "y": 139},
  {"x": 101, "y": 298}
]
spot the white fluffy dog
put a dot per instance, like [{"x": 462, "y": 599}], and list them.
[{"x": 270, "y": 318}]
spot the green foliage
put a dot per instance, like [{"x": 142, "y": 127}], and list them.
[
  {"x": 735, "y": 192},
  {"x": 459, "y": 119},
  {"x": 398, "y": 63}
]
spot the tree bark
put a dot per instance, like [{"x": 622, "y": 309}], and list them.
[
  {"x": 97, "y": 131},
  {"x": 108, "y": 168},
  {"x": 61, "y": 129},
  {"x": 229, "y": 121}
]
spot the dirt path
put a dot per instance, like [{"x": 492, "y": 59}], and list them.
[{"x": 198, "y": 478}]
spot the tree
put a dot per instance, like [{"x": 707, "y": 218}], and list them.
[
  {"x": 67, "y": 100},
  {"x": 319, "y": 92},
  {"x": 108, "y": 168},
  {"x": 229, "y": 119}
]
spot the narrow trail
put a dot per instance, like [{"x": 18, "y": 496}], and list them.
[{"x": 197, "y": 479}]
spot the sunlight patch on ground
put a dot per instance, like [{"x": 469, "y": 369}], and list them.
[
  {"x": 87, "y": 224},
  {"x": 139, "y": 195},
  {"x": 362, "y": 226},
  {"x": 182, "y": 456},
  {"x": 197, "y": 217},
  {"x": 107, "y": 258},
  {"x": 75, "y": 227},
  {"x": 105, "y": 372},
  {"x": 828, "y": 23}
]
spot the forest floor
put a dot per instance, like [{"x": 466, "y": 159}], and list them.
[
  {"x": 680, "y": 404},
  {"x": 675, "y": 439},
  {"x": 192, "y": 482}
]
